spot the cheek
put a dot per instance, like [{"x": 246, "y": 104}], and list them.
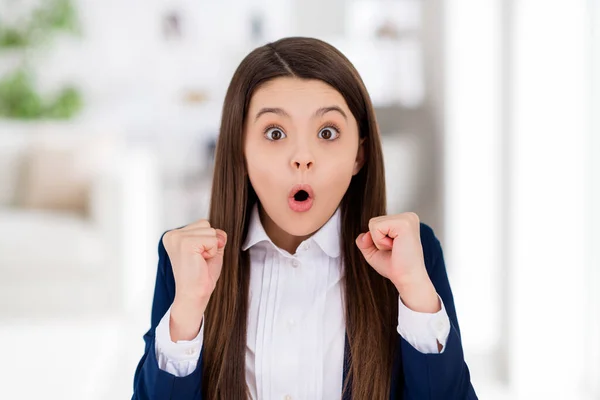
[
  {"x": 339, "y": 168},
  {"x": 262, "y": 173},
  {"x": 338, "y": 162}
]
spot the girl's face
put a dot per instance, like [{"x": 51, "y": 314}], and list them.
[{"x": 302, "y": 148}]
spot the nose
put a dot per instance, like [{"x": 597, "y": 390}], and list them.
[
  {"x": 302, "y": 165},
  {"x": 302, "y": 161}
]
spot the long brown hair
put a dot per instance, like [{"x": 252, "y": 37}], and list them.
[{"x": 371, "y": 301}]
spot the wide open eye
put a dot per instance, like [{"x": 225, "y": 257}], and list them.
[
  {"x": 274, "y": 133},
  {"x": 329, "y": 133}
]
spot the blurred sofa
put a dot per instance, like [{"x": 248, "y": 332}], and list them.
[{"x": 63, "y": 188}]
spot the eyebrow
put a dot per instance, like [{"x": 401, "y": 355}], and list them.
[
  {"x": 324, "y": 110},
  {"x": 280, "y": 111}
]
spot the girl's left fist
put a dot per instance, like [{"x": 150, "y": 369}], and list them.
[{"x": 392, "y": 246}]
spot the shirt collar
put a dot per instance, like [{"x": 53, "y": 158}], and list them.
[
  {"x": 256, "y": 232},
  {"x": 327, "y": 238}
]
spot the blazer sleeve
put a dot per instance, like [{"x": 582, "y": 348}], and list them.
[
  {"x": 150, "y": 382},
  {"x": 445, "y": 375}
]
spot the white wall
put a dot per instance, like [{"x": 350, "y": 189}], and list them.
[
  {"x": 593, "y": 333},
  {"x": 550, "y": 132},
  {"x": 472, "y": 174},
  {"x": 539, "y": 59}
]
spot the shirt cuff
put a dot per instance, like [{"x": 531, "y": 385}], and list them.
[
  {"x": 178, "y": 358},
  {"x": 424, "y": 330}
]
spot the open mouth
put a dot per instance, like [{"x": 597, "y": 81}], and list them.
[
  {"x": 301, "y": 195},
  {"x": 301, "y": 198}
]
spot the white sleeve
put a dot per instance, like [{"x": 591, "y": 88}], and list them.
[
  {"x": 181, "y": 358},
  {"x": 424, "y": 330}
]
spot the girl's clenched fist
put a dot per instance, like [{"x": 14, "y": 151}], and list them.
[{"x": 196, "y": 254}]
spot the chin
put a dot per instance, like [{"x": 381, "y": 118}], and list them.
[
  {"x": 301, "y": 230},
  {"x": 304, "y": 224},
  {"x": 297, "y": 224}
]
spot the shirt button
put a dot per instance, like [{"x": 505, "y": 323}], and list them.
[
  {"x": 291, "y": 322},
  {"x": 191, "y": 351},
  {"x": 295, "y": 263},
  {"x": 288, "y": 397}
]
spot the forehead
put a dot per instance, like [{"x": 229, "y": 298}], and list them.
[{"x": 296, "y": 95}]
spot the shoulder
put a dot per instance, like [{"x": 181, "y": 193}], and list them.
[
  {"x": 164, "y": 287},
  {"x": 162, "y": 252},
  {"x": 165, "y": 269},
  {"x": 432, "y": 248}
]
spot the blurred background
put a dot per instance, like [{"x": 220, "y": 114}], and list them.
[{"x": 109, "y": 112}]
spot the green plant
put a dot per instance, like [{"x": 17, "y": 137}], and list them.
[
  {"x": 12, "y": 38},
  {"x": 19, "y": 99},
  {"x": 51, "y": 17},
  {"x": 18, "y": 95}
]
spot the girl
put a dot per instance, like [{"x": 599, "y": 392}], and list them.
[{"x": 299, "y": 286}]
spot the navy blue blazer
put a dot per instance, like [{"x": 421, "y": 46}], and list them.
[{"x": 415, "y": 375}]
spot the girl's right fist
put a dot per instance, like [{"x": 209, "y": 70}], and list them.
[{"x": 196, "y": 254}]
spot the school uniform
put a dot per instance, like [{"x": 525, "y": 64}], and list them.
[{"x": 296, "y": 341}]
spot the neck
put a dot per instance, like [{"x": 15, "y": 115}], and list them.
[{"x": 278, "y": 236}]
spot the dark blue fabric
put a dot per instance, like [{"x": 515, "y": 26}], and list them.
[{"x": 416, "y": 376}]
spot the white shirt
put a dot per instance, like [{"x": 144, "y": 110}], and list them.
[{"x": 296, "y": 316}]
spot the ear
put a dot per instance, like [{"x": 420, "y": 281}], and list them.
[{"x": 360, "y": 157}]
